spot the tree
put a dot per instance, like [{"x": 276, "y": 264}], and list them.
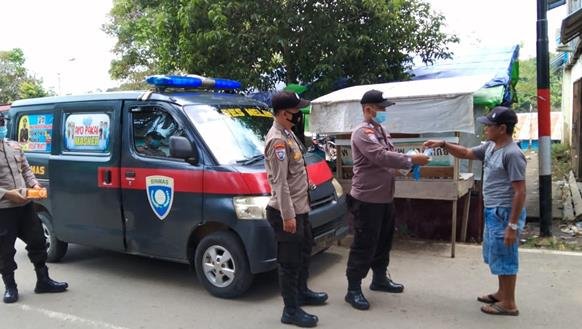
[
  {"x": 15, "y": 81},
  {"x": 526, "y": 87},
  {"x": 264, "y": 42}
]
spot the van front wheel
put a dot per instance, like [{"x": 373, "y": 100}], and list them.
[
  {"x": 56, "y": 249},
  {"x": 222, "y": 266}
]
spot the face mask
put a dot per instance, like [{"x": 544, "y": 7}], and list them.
[
  {"x": 154, "y": 144},
  {"x": 381, "y": 117},
  {"x": 3, "y": 132},
  {"x": 295, "y": 117}
]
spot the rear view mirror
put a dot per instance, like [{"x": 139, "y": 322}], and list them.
[{"x": 180, "y": 147}]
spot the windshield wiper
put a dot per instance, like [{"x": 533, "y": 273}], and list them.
[{"x": 251, "y": 160}]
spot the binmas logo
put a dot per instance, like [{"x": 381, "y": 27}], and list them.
[{"x": 160, "y": 190}]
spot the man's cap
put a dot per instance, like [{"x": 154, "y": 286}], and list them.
[
  {"x": 155, "y": 135},
  {"x": 499, "y": 115},
  {"x": 288, "y": 100},
  {"x": 375, "y": 97}
]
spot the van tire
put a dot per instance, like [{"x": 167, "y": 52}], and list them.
[
  {"x": 211, "y": 250},
  {"x": 56, "y": 249}
]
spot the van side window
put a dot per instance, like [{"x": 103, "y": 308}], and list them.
[
  {"x": 35, "y": 132},
  {"x": 152, "y": 129},
  {"x": 87, "y": 132}
]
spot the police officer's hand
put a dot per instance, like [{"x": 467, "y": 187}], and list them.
[
  {"x": 15, "y": 196},
  {"x": 419, "y": 159},
  {"x": 289, "y": 225},
  {"x": 37, "y": 186}
]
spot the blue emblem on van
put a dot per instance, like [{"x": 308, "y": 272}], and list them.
[{"x": 160, "y": 190}]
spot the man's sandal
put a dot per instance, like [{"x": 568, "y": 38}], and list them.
[
  {"x": 496, "y": 309},
  {"x": 488, "y": 299}
]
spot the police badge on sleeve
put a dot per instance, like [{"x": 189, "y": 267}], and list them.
[{"x": 160, "y": 191}]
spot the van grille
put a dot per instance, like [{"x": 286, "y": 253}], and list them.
[{"x": 322, "y": 202}]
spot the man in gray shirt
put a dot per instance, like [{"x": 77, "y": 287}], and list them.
[{"x": 504, "y": 198}]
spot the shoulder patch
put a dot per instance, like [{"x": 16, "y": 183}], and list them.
[{"x": 280, "y": 153}]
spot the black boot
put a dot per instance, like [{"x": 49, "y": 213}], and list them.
[
  {"x": 298, "y": 317},
  {"x": 11, "y": 293},
  {"x": 385, "y": 283},
  {"x": 306, "y": 296},
  {"x": 45, "y": 284},
  {"x": 357, "y": 299}
]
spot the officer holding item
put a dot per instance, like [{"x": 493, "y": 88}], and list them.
[
  {"x": 370, "y": 200},
  {"x": 153, "y": 140},
  {"x": 288, "y": 210},
  {"x": 18, "y": 219}
]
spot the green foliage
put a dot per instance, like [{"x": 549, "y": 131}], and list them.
[
  {"x": 560, "y": 161},
  {"x": 527, "y": 87},
  {"x": 15, "y": 82},
  {"x": 264, "y": 42}
]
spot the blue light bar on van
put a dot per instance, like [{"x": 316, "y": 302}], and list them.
[{"x": 191, "y": 81}]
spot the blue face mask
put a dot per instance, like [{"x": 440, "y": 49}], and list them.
[
  {"x": 154, "y": 144},
  {"x": 3, "y": 132},
  {"x": 381, "y": 117}
]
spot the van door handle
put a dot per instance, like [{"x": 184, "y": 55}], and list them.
[
  {"x": 107, "y": 177},
  {"x": 130, "y": 174}
]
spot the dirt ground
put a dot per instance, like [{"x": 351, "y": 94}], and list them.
[{"x": 563, "y": 237}]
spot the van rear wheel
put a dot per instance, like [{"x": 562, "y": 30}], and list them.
[
  {"x": 56, "y": 249},
  {"x": 222, "y": 266}
]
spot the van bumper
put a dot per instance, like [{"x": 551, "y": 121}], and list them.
[{"x": 328, "y": 226}]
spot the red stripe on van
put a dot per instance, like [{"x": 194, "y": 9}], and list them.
[{"x": 193, "y": 181}]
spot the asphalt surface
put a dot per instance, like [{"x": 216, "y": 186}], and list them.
[{"x": 115, "y": 291}]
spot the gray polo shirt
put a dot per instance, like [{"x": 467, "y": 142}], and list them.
[{"x": 500, "y": 168}]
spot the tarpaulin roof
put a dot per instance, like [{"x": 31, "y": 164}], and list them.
[
  {"x": 423, "y": 106},
  {"x": 502, "y": 63}
]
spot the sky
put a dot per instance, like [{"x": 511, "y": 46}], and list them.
[{"x": 65, "y": 46}]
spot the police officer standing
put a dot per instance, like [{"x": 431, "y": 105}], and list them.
[
  {"x": 288, "y": 210},
  {"x": 18, "y": 219},
  {"x": 370, "y": 200}
]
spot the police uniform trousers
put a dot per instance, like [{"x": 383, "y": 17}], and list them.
[
  {"x": 373, "y": 227},
  {"x": 23, "y": 223},
  {"x": 293, "y": 254}
]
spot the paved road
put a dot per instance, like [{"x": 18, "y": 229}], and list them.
[{"x": 115, "y": 291}]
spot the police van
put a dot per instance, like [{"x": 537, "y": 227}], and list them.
[{"x": 171, "y": 173}]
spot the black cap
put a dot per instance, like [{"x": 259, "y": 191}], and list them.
[
  {"x": 287, "y": 100},
  {"x": 375, "y": 97},
  {"x": 155, "y": 135},
  {"x": 499, "y": 115}
]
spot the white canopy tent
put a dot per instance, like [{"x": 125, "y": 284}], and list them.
[{"x": 422, "y": 106}]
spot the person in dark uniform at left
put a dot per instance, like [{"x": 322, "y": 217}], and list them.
[
  {"x": 18, "y": 219},
  {"x": 288, "y": 210}
]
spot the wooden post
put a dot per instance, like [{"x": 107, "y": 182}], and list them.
[{"x": 454, "y": 229}]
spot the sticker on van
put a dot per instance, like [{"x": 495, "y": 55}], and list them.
[{"x": 160, "y": 190}]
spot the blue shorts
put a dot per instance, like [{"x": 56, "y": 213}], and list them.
[{"x": 502, "y": 260}]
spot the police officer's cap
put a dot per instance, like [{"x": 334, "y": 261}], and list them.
[
  {"x": 287, "y": 100},
  {"x": 375, "y": 97}
]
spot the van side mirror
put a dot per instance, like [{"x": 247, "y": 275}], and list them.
[{"x": 180, "y": 147}]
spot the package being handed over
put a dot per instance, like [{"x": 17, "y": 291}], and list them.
[{"x": 35, "y": 193}]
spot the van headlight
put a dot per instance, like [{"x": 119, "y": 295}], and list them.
[
  {"x": 251, "y": 207},
  {"x": 339, "y": 190}
]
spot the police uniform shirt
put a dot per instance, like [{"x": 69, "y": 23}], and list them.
[
  {"x": 375, "y": 161},
  {"x": 286, "y": 172},
  {"x": 15, "y": 173}
]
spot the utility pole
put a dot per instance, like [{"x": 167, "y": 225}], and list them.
[{"x": 544, "y": 124}]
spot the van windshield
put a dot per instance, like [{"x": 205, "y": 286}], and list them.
[{"x": 234, "y": 134}]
